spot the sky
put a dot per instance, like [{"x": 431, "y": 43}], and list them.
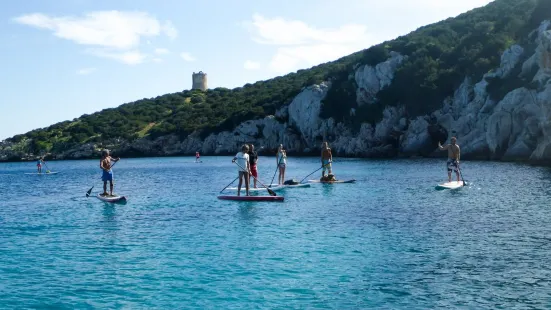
[{"x": 65, "y": 58}]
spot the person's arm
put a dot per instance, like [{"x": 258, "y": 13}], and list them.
[
  {"x": 330, "y": 156},
  {"x": 101, "y": 165},
  {"x": 234, "y": 158},
  {"x": 442, "y": 148},
  {"x": 458, "y": 154}
]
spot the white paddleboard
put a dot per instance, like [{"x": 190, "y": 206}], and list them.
[
  {"x": 36, "y": 173},
  {"x": 332, "y": 182},
  {"x": 274, "y": 187},
  {"x": 278, "y": 187},
  {"x": 450, "y": 185},
  {"x": 114, "y": 198}
]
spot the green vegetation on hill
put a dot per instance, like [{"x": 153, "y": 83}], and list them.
[{"x": 439, "y": 57}]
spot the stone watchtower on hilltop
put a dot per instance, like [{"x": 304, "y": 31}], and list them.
[{"x": 199, "y": 81}]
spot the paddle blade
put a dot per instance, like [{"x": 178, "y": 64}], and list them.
[
  {"x": 271, "y": 192},
  {"x": 89, "y": 191}
]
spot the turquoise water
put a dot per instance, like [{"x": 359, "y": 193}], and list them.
[{"x": 388, "y": 241}]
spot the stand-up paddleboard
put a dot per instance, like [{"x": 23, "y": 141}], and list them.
[
  {"x": 331, "y": 182},
  {"x": 276, "y": 187},
  {"x": 114, "y": 198},
  {"x": 252, "y": 189},
  {"x": 252, "y": 198},
  {"x": 36, "y": 173},
  {"x": 450, "y": 185}
]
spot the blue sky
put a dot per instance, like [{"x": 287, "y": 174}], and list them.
[{"x": 64, "y": 58}]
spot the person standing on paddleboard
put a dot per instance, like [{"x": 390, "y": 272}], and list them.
[
  {"x": 253, "y": 159},
  {"x": 326, "y": 159},
  {"x": 281, "y": 158},
  {"x": 197, "y": 156},
  {"x": 105, "y": 165},
  {"x": 243, "y": 168},
  {"x": 453, "y": 157},
  {"x": 39, "y": 163}
]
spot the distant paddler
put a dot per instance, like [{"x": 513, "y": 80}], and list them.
[
  {"x": 105, "y": 165},
  {"x": 453, "y": 157},
  {"x": 197, "y": 157},
  {"x": 326, "y": 159},
  {"x": 243, "y": 164},
  {"x": 281, "y": 161},
  {"x": 253, "y": 159},
  {"x": 39, "y": 163}
]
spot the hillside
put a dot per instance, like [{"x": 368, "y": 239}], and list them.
[{"x": 366, "y": 104}]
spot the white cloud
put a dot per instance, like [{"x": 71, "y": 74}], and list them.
[
  {"x": 157, "y": 60},
  {"x": 114, "y": 34},
  {"x": 161, "y": 51},
  {"x": 251, "y": 65},
  {"x": 169, "y": 29},
  {"x": 303, "y": 45},
  {"x": 86, "y": 71},
  {"x": 133, "y": 57},
  {"x": 187, "y": 56}
]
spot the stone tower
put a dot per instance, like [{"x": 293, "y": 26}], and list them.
[{"x": 199, "y": 81}]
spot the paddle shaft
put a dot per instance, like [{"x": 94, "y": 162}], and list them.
[
  {"x": 229, "y": 184},
  {"x": 269, "y": 190},
  {"x": 48, "y": 168},
  {"x": 461, "y": 174},
  {"x": 316, "y": 170}
]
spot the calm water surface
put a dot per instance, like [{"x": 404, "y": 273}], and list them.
[{"x": 388, "y": 241}]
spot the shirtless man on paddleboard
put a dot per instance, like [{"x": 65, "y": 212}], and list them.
[
  {"x": 105, "y": 165},
  {"x": 453, "y": 157}
]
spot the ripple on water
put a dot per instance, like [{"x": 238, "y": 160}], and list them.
[{"x": 388, "y": 241}]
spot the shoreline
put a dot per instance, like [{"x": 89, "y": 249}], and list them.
[{"x": 304, "y": 155}]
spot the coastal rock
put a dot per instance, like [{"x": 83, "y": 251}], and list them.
[
  {"x": 87, "y": 150},
  {"x": 509, "y": 59},
  {"x": 304, "y": 113},
  {"x": 416, "y": 139},
  {"x": 371, "y": 80}
]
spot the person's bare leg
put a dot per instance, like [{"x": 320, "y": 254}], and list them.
[
  {"x": 240, "y": 183},
  {"x": 247, "y": 182}
]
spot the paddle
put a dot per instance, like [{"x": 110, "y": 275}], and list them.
[
  {"x": 316, "y": 171},
  {"x": 48, "y": 168},
  {"x": 461, "y": 174},
  {"x": 271, "y": 192},
  {"x": 229, "y": 184},
  {"x": 277, "y": 167},
  {"x": 90, "y": 190}
]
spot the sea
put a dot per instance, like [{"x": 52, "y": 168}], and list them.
[{"x": 390, "y": 240}]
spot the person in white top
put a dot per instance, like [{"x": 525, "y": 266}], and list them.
[
  {"x": 243, "y": 167},
  {"x": 281, "y": 158}
]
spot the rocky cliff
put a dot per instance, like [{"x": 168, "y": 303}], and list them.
[{"x": 503, "y": 116}]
